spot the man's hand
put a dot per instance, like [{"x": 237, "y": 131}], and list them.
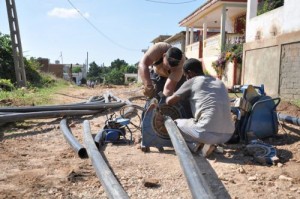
[
  {"x": 162, "y": 98},
  {"x": 149, "y": 91},
  {"x": 172, "y": 100}
]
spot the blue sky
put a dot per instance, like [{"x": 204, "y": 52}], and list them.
[{"x": 109, "y": 30}]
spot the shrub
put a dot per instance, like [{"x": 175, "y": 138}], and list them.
[
  {"x": 115, "y": 77},
  {"x": 6, "y": 85},
  {"x": 232, "y": 52},
  {"x": 268, "y": 5}
]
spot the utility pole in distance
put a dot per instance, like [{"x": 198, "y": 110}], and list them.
[
  {"x": 87, "y": 61},
  {"x": 16, "y": 42}
]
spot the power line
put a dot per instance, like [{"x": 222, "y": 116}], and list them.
[
  {"x": 99, "y": 31},
  {"x": 167, "y": 2}
]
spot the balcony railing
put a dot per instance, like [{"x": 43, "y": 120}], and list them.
[
  {"x": 192, "y": 50},
  {"x": 212, "y": 45},
  {"x": 233, "y": 38}
]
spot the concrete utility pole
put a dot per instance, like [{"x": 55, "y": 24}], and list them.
[{"x": 16, "y": 42}]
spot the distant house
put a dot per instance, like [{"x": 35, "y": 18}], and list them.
[
  {"x": 75, "y": 76},
  {"x": 160, "y": 38},
  {"x": 218, "y": 23},
  {"x": 56, "y": 69},
  {"x": 177, "y": 40},
  {"x": 63, "y": 70},
  {"x": 272, "y": 48}
]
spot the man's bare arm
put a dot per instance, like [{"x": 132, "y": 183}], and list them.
[
  {"x": 172, "y": 100},
  {"x": 169, "y": 87},
  {"x": 144, "y": 70}
]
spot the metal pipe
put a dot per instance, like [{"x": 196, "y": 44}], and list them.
[
  {"x": 288, "y": 119},
  {"x": 196, "y": 182},
  {"x": 76, "y": 146},
  {"x": 6, "y": 113},
  {"x": 115, "y": 98},
  {"x": 107, "y": 178},
  {"x": 106, "y": 98},
  {"x": 137, "y": 98},
  {"x": 46, "y": 114},
  {"x": 91, "y": 106},
  {"x": 95, "y": 99}
]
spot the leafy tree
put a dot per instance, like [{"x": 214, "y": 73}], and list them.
[
  {"x": 76, "y": 69},
  {"x": 115, "y": 77},
  {"x": 7, "y": 69},
  {"x": 117, "y": 70},
  {"x": 131, "y": 69},
  {"x": 6, "y": 85},
  {"x": 117, "y": 64},
  {"x": 94, "y": 71},
  {"x": 32, "y": 74}
]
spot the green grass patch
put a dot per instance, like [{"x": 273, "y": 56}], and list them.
[{"x": 33, "y": 95}]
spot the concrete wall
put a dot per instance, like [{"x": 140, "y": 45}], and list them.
[
  {"x": 130, "y": 75},
  {"x": 211, "y": 52},
  {"x": 272, "y": 49},
  {"x": 279, "y": 21},
  {"x": 229, "y": 73},
  {"x": 265, "y": 26},
  {"x": 192, "y": 51},
  {"x": 261, "y": 66},
  {"x": 290, "y": 71},
  {"x": 291, "y": 16},
  {"x": 275, "y": 63}
]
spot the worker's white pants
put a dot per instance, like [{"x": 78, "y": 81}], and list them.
[{"x": 191, "y": 133}]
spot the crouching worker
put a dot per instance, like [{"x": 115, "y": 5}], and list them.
[{"x": 210, "y": 106}]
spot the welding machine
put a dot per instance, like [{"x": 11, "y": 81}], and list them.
[
  {"x": 154, "y": 133},
  {"x": 114, "y": 131}
]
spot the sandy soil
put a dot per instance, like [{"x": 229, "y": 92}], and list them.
[{"x": 37, "y": 162}]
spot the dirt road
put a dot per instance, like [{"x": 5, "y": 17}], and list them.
[{"x": 37, "y": 162}]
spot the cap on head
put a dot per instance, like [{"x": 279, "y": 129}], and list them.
[
  {"x": 194, "y": 65},
  {"x": 174, "y": 56}
]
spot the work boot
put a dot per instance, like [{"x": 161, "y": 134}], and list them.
[
  {"x": 207, "y": 149},
  {"x": 194, "y": 146}
]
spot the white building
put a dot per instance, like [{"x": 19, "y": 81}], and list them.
[{"x": 272, "y": 49}]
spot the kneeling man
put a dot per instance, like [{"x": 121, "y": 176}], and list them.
[{"x": 210, "y": 106}]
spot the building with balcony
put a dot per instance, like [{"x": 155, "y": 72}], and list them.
[{"x": 218, "y": 23}]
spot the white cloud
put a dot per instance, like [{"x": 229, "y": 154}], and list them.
[{"x": 66, "y": 13}]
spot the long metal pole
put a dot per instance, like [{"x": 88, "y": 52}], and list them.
[
  {"x": 44, "y": 114},
  {"x": 289, "y": 119},
  {"x": 86, "y": 106},
  {"x": 197, "y": 183},
  {"x": 107, "y": 178},
  {"x": 76, "y": 146}
]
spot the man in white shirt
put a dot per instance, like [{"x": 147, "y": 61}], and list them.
[{"x": 211, "y": 123}]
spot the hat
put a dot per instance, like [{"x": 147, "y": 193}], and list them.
[{"x": 174, "y": 56}]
